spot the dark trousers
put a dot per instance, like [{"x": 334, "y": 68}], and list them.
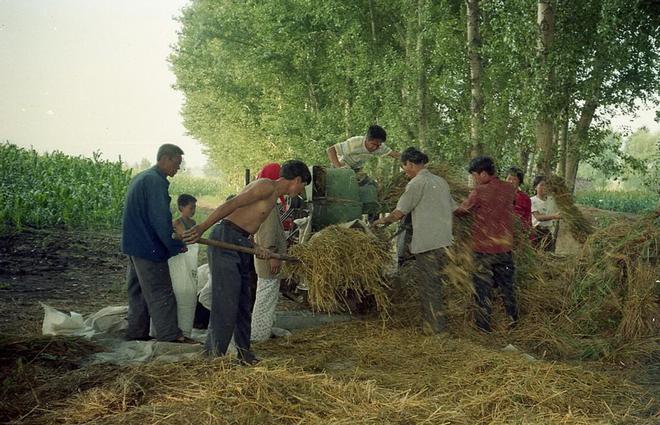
[
  {"x": 493, "y": 271},
  {"x": 231, "y": 299},
  {"x": 150, "y": 295},
  {"x": 430, "y": 274}
]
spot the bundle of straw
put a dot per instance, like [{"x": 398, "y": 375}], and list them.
[
  {"x": 337, "y": 262},
  {"x": 578, "y": 225}
]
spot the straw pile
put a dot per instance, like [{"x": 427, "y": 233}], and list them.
[
  {"x": 28, "y": 366},
  {"x": 359, "y": 373},
  {"x": 613, "y": 283},
  {"x": 337, "y": 263},
  {"x": 601, "y": 304},
  {"x": 578, "y": 225}
]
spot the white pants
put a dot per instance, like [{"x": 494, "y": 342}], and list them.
[{"x": 263, "y": 313}]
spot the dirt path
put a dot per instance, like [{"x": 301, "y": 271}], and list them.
[{"x": 70, "y": 270}]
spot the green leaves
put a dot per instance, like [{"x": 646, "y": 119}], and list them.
[
  {"x": 59, "y": 190},
  {"x": 271, "y": 80}
]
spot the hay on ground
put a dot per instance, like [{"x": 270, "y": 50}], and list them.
[{"x": 361, "y": 373}]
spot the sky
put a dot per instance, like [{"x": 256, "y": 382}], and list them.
[{"x": 92, "y": 75}]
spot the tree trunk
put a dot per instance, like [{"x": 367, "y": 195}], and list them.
[
  {"x": 348, "y": 109},
  {"x": 563, "y": 142},
  {"x": 544, "y": 124},
  {"x": 529, "y": 169},
  {"x": 373, "y": 21},
  {"x": 476, "y": 68},
  {"x": 523, "y": 159},
  {"x": 579, "y": 139},
  {"x": 422, "y": 84}
]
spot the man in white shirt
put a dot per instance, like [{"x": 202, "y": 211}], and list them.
[
  {"x": 545, "y": 216},
  {"x": 428, "y": 200},
  {"x": 356, "y": 151}
]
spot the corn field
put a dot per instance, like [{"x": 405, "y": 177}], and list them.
[
  {"x": 622, "y": 201},
  {"x": 54, "y": 189},
  {"x": 212, "y": 188}
]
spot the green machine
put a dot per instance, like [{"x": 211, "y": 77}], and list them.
[{"x": 336, "y": 197}]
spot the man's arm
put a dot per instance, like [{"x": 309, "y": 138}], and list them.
[
  {"x": 545, "y": 217},
  {"x": 158, "y": 208},
  {"x": 256, "y": 191},
  {"x": 466, "y": 207},
  {"x": 332, "y": 156},
  {"x": 395, "y": 215},
  {"x": 394, "y": 154}
]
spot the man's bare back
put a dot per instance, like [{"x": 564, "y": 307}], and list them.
[
  {"x": 252, "y": 206},
  {"x": 250, "y": 217}
]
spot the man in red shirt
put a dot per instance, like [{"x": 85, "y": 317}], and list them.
[
  {"x": 490, "y": 207},
  {"x": 523, "y": 207}
]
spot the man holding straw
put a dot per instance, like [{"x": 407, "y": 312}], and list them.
[
  {"x": 428, "y": 200},
  {"x": 240, "y": 218},
  {"x": 490, "y": 207}
]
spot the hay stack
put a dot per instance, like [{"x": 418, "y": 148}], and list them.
[
  {"x": 602, "y": 304},
  {"x": 578, "y": 225},
  {"x": 337, "y": 261},
  {"x": 613, "y": 282}
]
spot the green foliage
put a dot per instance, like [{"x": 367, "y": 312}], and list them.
[
  {"x": 212, "y": 189},
  {"x": 270, "y": 80},
  {"x": 56, "y": 189},
  {"x": 633, "y": 163},
  {"x": 644, "y": 146},
  {"x": 621, "y": 201}
]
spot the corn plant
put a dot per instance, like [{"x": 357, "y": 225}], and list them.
[
  {"x": 54, "y": 189},
  {"x": 636, "y": 201}
]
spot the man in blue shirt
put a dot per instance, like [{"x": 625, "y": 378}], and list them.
[{"x": 147, "y": 241}]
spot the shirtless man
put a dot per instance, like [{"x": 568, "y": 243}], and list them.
[{"x": 240, "y": 218}]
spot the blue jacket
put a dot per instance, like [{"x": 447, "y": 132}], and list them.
[{"x": 147, "y": 220}]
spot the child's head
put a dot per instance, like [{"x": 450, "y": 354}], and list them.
[
  {"x": 187, "y": 204},
  {"x": 515, "y": 176},
  {"x": 539, "y": 185}
]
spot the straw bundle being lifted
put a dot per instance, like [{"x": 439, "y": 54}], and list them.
[
  {"x": 578, "y": 225},
  {"x": 603, "y": 303},
  {"x": 338, "y": 261}
]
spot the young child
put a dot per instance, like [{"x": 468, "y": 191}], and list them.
[
  {"x": 183, "y": 267},
  {"x": 187, "y": 205},
  {"x": 544, "y": 216}
]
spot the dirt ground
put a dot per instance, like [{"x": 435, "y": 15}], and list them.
[{"x": 67, "y": 269}]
